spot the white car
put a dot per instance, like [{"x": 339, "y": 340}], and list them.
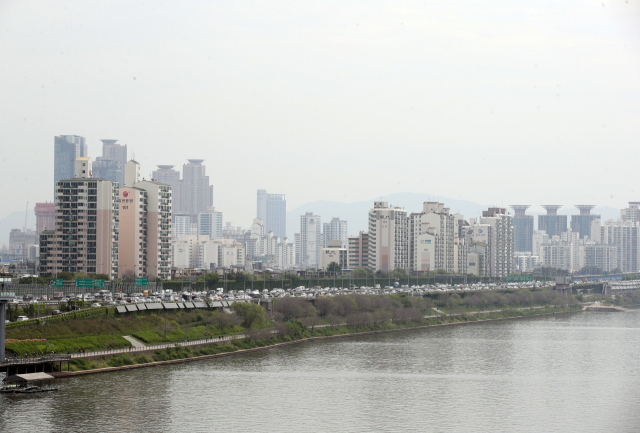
[
  {"x": 22, "y": 318},
  {"x": 96, "y": 305}
]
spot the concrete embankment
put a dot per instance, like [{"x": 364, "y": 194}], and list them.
[{"x": 67, "y": 374}]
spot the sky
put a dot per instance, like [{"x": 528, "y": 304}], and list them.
[{"x": 495, "y": 102}]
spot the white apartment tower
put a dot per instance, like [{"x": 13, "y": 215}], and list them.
[
  {"x": 310, "y": 239},
  {"x": 502, "y": 241},
  {"x": 432, "y": 240},
  {"x": 85, "y": 238},
  {"x": 388, "y": 237},
  {"x": 336, "y": 230}
]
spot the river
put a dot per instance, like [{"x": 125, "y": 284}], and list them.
[{"x": 563, "y": 373}]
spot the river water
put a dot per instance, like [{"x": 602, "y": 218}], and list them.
[{"x": 563, "y": 373}]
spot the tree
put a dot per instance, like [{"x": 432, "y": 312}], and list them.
[
  {"x": 361, "y": 272},
  {"x": 334, "y": 267},
  {"x": 399, "y": 273},
  {"x": 324, "y": 306},
  {"x": 251, "y": 314}
]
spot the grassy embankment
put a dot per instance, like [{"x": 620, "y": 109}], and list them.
[
  {"x": 103, "y": 328},
  {"x": 295, "y": 330}
]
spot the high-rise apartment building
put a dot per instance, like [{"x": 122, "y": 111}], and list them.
[
  {"x": 336, "y": 230},
  {"x": 432, "y": 235},
  {"x": 167, "y": 175},
  {"x": 522, "y": 228},
  {"x": 632, "y": 213},
  {"x": 144, "y": 248},
  {"x": 86, "y": 234},
  {"x": 210, "y": 224},
  {"x": 388, "y": 237},
  {"x": 197, "y": 194},
  {"x": 272, "y": 210},
  {"x": 358, "y": 250},
  {"x": 601, "y": 256},
  {"x": 66, "y": 149},
  {"x": 581, "y": 224},
  {"x": 552, "y": 223},
  {"x": 45, "y": 217},
  {"x": 111, "y": 164},
  {"x": 625, "y": 235},
  {"x": 310, "y": 239},
  {"x": 500, "y": 260}
]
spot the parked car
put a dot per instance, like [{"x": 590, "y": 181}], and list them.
[
  {"x": 22, "y": 318},
  {"x": 96, "y": 305},
  {"x": 56, "y": 312}
]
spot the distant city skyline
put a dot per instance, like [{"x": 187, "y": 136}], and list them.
[{"x": 535, "y": 102}]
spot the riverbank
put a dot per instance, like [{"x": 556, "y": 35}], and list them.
[{"x": 181, "y": 354}]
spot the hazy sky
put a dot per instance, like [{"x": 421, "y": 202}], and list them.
[{"x": 496, "y": 102}]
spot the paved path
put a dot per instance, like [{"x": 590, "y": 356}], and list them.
[{"x": 134, "y": 342}]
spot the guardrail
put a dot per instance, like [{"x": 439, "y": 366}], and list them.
[{"x": 37, "y": 360}]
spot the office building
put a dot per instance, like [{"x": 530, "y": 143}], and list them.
[
  {"x": 336, "y": 230},
  {"x": 167, "y": 175},
  {"x": 552, "y": 223},
  {"x": 197, "y": 194},
  {"x": 581, "y": 224},
  {"x": 358, "y": 250},
  {"x": 86, "y": 233},
  {"x": 111, "y": 164},
  {"x": 388, "y": 237},
  {"x": 522, "y": 229},
  {"x": 65, "y": 151},
  {"x": 181, "y": 225},
  {"x": 334, "y": 252},
  {"x": 45, "y": 218},
  {"x": 272, "y": 210},
  {"x": 310, "y": 240},
  {"x": 210, "y": 224}
]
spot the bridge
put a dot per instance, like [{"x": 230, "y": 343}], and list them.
[{"x": 41, "y": 364}]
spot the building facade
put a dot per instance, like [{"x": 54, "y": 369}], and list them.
[
  {"x": 335, "y": 230},
  {"x": 388, "y": 237},
  {"x": 167, "y": 175},
  {"x": 197, "y": 194},
  {"x": 552, "y": 223},
  {"x": 522, "y": 229},
  {"x": 45, "y": 217},
  {"x": 86, "y": 233},
  {"x": 581, "y": 224},
  {"x": 310, "y": 239},
  {"x": 432, "y": 236},
  {"x": 502, "y": 242},
  {"x": 66, "y": 149},
  {"x": 272, "y": 210},
  {"x": 111, "y": 164},
  {"x": 358, "y": 250}
]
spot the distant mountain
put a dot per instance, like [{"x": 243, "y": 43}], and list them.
[
  {"x": 15, "y": 220},
  {"x": 357, "y": 213}
]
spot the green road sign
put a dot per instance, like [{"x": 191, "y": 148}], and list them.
[
  {"x": 84, "y": 283},
  {"x": 99, "y": 283},
  {"x": 58, "y": 283},
  {"x": 141, "y": 281},
  {"x": 518, "y": 278}
]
